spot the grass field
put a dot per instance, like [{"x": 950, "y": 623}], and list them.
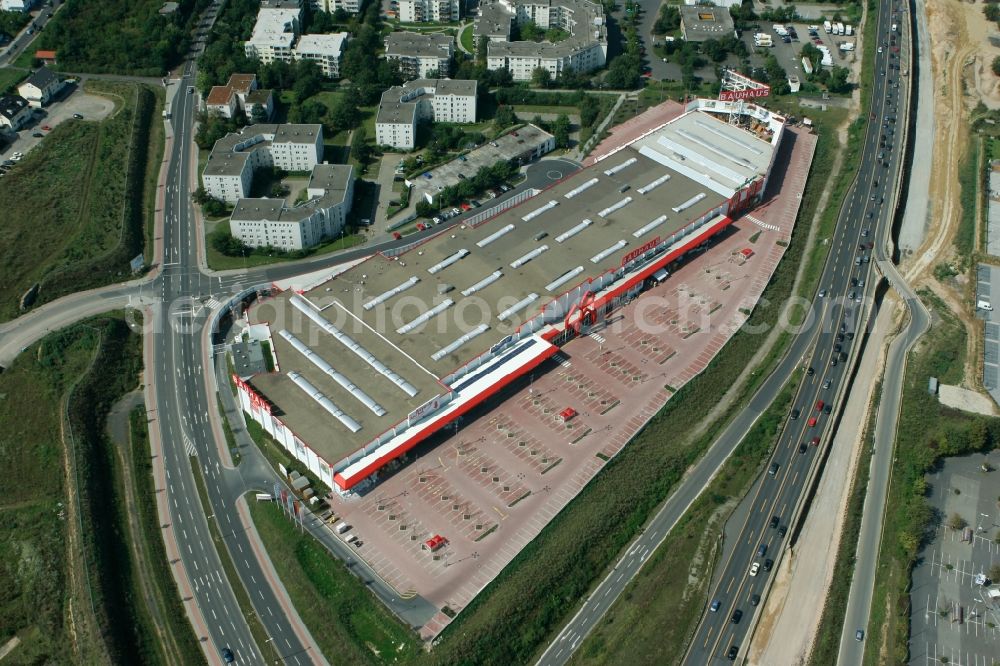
[
  {"x": 541, "y": 108},
  {"x": 75, "y": 208},
  {"x": 468, "y": 39},
  {"x": 10, "y": 77},
  {"x": 349, "y": 626}
]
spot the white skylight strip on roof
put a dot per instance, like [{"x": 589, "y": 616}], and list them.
[
  {"x": 690, "y": 202},
  {"x": 656, "y": 183},
  {"x": 383, "y": 297},
  {"x": 482, "y": 284},
  {"x": 448, "y": 261},
  {"x": 564, "y": 278},
  {"x": 582, "y": 188},
  {"x": 747, "y": 145},
  {"x": 444, "y": 351},
  {"x": 523, "y": 259},
  {"x": 721, "y": 152},
  {"x": 693, "y": 157},
  {"x": 344, "y": 382},
  {"x": 700, "y": 177},
  {"x": 615, "y": 206},
  {"x": 517, "y": 307},
  {"x": 569, "y": 233},
  {"x": 538, "y": 211},
  {"x": 624, "y": 165},
  {"x": 324, "y": 402},
  {"x": 609, "y": 251},
  {"x": 495, "y": 235},
  {"x": 649, "y": 227},
  {"x": 302, "y": 306},
  {"x": 427, "y": 316}
]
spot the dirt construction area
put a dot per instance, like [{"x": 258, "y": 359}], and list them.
[{"x": 491, "y": 486}]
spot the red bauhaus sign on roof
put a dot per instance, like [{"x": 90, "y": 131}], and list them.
[{"x": 746, "y": 93}]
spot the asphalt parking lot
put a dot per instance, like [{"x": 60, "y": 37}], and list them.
[
  {"x": 71, "y": 100},
  {"x": 788, "y": 55},
  {"x": 951, "y": 619},
  {"x": 988, "y": 290}
]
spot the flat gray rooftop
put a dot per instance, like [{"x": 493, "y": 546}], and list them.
[{"x": 702, "y": 22}]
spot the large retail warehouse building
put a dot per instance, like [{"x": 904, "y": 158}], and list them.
[{"x": 378, "y": 358}]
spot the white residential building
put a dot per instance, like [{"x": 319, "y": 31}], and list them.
[
  {"x": 326, "y": 50},
  {"x": 234, "y": 158},
  {"x": 16, "y": 5},
  {"x": 420, "y": 11},
  {"x": 273, "y": 35},
  {"x": 585, "y": 49},
  {"x": 420, "y": 56},
  {"x": 14, "y": 111},
  {"x": 272, "y": 222},
  {"x": 349, "y": 6},
  {"x": 401, "y": 108},
  {"x": 40, "y": 87}
]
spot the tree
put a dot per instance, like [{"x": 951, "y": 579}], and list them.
[
  {"x": 258, "y": 114},
  {"x": 308, "y": 80},
  {"x": 481, "y": 49},
  {"x": 838, "y": 80},
  {"x": 811, "y": 53},
  {"x": 669, "y": 20},
  {"x": 311, "y": 112},
  {"x": 956, "y": 522},
  {"x": 345, "y": 114},
  {"x": 505, "y": 117},
  {"x": 560, "y": 130},
  {"x": 541, "y": 77},
  {"x": 623, "y": 74},
  {"x": 360, "y": 149},
  {"x": 996, "y": 66}
]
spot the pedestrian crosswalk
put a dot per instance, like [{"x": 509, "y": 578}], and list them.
[
  {"x": 597, "y": 338},
  {"x": 761, "y": 224},
  {"x": 561, "y": 359}
]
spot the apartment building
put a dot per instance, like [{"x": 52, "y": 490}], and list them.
[
  {"x": 585, "y": 49},
  {"x": 403, "y": 107},
  {"x": 420, "y": 56},
  {"x": 273, "y": 222},
  {"x": 420, "y": 11},
  {"x": 325, "y": 50},
  {"x": 274, "y": 34},
  {"x": 234, "y": 158},
  {"x": 350, "y": 6}
]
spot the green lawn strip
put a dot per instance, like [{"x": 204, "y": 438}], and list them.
[
  {"x": 545, "y": 108},
  {"x": 827, "y": 645},
  {"x": 659, "y": 609},
  {"x": 90, "y": 179},
  {"x": 10, "y": 77},
  {"x": 246, "y": 609},
  {"x": 927, "y": 431},
  {"x": 184, "y": 647},
  {"x": 970, "y": 176},
  {"x": 154, "y": 159},
  {"x": 348, "y": 623},
  {"x": 468, "y": 39}
]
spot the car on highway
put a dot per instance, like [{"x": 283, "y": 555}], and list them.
[
  {"x": 859, "y": 635},
  {"x": 812, "y": 422},
  {"x": 762, "y": 550},
  {"x": 827, "y": 409},
  {"x": 782, "y": 531},
  {"x": 826, "y": 384},
  {"x": 228, "y": 656},
  {"x": 733, "y": 652},
  {"x": 810, "y": 371},
  {"x": 774, "y": 469},
  {"x": 715, "y": 606},
  {"x": 754, "y": 568},
  {"x": 755, "y": 600},
  {"x": 768, "y": 564},
  {"x": 795, "y": 414},
  {"x": 819, "y": 405},
  {"x": 774, "y": 521},
  {"x": 814, "y": 441},
  {"x": 802, "y": 447},
  {"x": 737, "y": 616}
]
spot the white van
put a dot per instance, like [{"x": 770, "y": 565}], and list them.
[
  {"x": 341, "y": 528},
  {"x": 984, "y": 305}
]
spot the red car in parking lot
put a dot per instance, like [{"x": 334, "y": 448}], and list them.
[{"x": 46, "y": 128}]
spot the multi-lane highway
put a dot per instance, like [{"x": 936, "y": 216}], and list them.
[{"x": 742, "y": 579}]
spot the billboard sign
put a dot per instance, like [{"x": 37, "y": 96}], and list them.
[
  {"x": 425, "y": 409},
  {"x": 641, "y": 250},
  {"x": 256, "y": 402},
  {"x": 746, "y": 93}
]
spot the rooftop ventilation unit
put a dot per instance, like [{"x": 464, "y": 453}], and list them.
[
  {"x": 621, "y": 167},
  {"x": 523, "y": 259},
  {"x": 582, "y": 188},
  {"x": 344, "y": 382},
  {"x": 383, "y": 297},
  {"x": 569, "y": 233},
  {"x": 649, "y": 227},
  {"x": 495, "y": 235},
  {"x": 611, "y": 250},
  {"x": 445, "y": 263},
  {"x": 324, "y": 401},
  {"x": 517, "y": 307},
  {"x": 427, "y": 316},
  {"x": 482, "y": 284},
  {"x": 444, "y": 351},
  {"x": 302, "y": 306},
  {"x": 564, "y": 278}
]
